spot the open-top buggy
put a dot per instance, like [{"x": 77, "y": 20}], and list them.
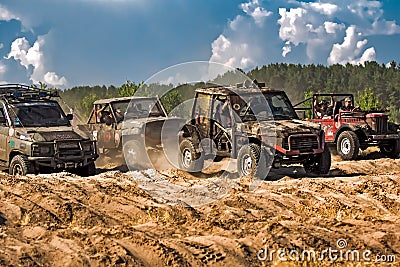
[
  {"x": 236, "y": 122},
  {"x": 352, "y": 129}
]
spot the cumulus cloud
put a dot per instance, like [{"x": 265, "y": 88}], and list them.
[
  {"x": 53, "y": 79},
  {"x": 235, "y": 55},
  {"x": 324, "y": 31},
  {"x": 6, "y": 15},
  {"x": 239, "y": 46},
  {"x": 257, "y": 12},
  {"x": 349, "y": 51},
  {"x": 32, "y": 57},
  {"x": 322, "y": 8},
  {"x": 305, "y": 25}
]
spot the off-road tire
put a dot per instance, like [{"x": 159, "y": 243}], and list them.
[
  {"x": 348, "y": 145},
  {"x": 251, "y": 162},
  {"x": 391, "y": 150},
  {"x": 135, "y": 155},
  {"x": 20, "y": 165},
  {"x": 321, "y": 163},
  {"x": 87, "y": 170},
  {"x": 189, "y": 160}
]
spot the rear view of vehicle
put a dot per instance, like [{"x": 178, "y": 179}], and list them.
[{"x": 36, "y": 135}]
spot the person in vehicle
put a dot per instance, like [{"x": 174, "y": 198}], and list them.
[
  {"x": 348, "y": 105},
  {"x": 323, "y": 108},
  {"x": 223, "y": 116},
  {"x": 118, "y": 115}
]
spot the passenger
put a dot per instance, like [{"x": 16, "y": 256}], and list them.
[
  {"x": 118, "y": 115},
  {"x": 347, "y": 105},
  {"x": 323, "y": 109},
  {"x": 99, "y": 110}
]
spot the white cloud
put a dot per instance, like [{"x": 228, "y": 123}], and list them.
[
  {"x": 351, "y": 48},
  {"x": 53, "y": 79},
  {"x": 33, "y": 56},
  {"x": 235, "y": 55},
  {"x": 315, "y": 31},
  {"x": 303, "y": 25},
  {"x": 1, "y": 45},
  {"x": 323, "y": 8},
  {"x": 332, "y": 27},
  {"x": 6, "y": 15},
  {"x": 257, "y": 12}
]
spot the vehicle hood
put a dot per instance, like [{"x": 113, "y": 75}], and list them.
[
  {"x": 282, "y": 128},
  {"x": 48, "y": 134},
  {"x": 296, "y": 126}
]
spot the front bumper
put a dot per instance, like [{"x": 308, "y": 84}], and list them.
[
  {"x": 378, "y": 137},
  {"x": 65, "y": 154}
]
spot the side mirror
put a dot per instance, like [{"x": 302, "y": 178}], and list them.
[{"x": 70, "y": 117}]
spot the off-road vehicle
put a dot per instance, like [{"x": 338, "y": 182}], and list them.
[
  {"x": 36, "y": 135},
  {"x": 352, "y": 129},
  {"x": 126, "y": 126},
  {"x": 256, "y": 135}
]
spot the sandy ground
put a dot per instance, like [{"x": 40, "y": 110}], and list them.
[{"x": 109, "y": 220}]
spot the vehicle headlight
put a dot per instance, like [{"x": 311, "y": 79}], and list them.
[{"x": 25, "y": 137}]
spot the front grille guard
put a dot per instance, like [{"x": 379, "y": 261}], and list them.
[
  {"x": 71, "y": 149},
  {"x": 290, "y": 146}
]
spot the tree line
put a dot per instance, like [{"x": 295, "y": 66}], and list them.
[{"x": 373, "y": 85}]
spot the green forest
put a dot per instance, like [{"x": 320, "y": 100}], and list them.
[{"x": 373, "y": 85}]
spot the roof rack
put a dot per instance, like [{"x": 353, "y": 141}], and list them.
[{"x": 22, "y": 91}]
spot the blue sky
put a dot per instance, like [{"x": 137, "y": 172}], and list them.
[{"x": 95, "y": 42}]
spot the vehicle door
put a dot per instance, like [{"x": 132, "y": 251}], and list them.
[
  {"x": 4, "y": 135},
  {"x": 202, "y": 114}
]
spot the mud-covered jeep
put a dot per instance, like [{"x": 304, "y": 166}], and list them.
[
  {"x": 36, "y": 135},
  {"x": 257, "y": 127},
  {"x": 126, "y": 126}
]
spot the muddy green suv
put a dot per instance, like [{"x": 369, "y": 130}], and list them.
[{"x": 36, "y": 135}]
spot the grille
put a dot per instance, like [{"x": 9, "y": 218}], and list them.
[
  {"x": 381, "y": 125},
  {"x": 304, "y": 143}
]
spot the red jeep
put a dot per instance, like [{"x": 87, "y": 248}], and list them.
[{"x": 350, "y": 128}]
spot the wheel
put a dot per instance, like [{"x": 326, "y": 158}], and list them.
[
  {"x": 87, "y": 170},
  {"x": 251, "y": 161},
  {"x": 20, "y": 165},
  {"x": 135, "y": 155},
  {"x": 189, "y": 159},
  {"x": 321, "y": 163},
  {"x": 391, "y": 150},
  {"x": 348, "y": 145}
]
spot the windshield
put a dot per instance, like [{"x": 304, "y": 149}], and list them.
[
  {"x": 143, "y": 108},
  {"x": 37, "y": 114},
  {"x": 280, "y": 106},
  {"x": 251, "y": 107}
]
